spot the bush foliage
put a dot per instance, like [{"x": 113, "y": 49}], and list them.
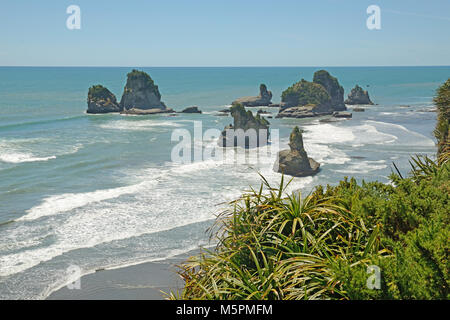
[{"x": 304, "y": 93}]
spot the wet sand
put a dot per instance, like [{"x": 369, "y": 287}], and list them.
[{"x": 143, "y": 281}]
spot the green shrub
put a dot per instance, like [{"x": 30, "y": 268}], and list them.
[
  {"x": 305, "y": 92},
  {"x": 442, "y": 131}
]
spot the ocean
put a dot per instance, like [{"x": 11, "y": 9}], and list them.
[{"x": 101, "y": 191}]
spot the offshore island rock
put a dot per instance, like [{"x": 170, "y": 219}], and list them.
[
  {"x": 249, "y": 125},
  {"x": 141, "y": 93},
  {"x": 264, "y": 98},
  {"x": 101, "y": 100},
  {"x": 358, "y": 96},
  {"x": 295, "y": 162}
]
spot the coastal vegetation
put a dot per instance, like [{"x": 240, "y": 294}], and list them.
[
  {"x": 442, "y": 132},
  {"x": 328, "y": 244}
]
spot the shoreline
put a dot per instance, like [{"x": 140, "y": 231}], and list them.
[{"x": 140, "y": 281}]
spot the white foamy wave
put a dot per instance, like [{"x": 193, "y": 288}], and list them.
[
  {"x": 351, "y": 135},
  {"x": 141, "y": 125},
  {"x": 61, "y": 203},
  {"x": 18, "y": 151},
  {"x": 362, "y": 167},
  {"x": 19, "y": 157},
  {"x": 403, "y": 135}
]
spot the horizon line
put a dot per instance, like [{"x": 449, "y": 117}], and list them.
[{"x": 212, "y": 66}]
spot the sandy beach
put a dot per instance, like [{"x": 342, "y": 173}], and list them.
[{"x": 145, "y": 281}]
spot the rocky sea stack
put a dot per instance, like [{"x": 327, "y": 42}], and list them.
[
  {"x": 309, "y": 99},
  {"x": 295, "y": 162},
  {"x": 334, "y": 89},
  {"x": 264, "y": 98},
  {"x": 358, "y": 96},
  {"x": 254, "y": 133},
  {"x": 141, "y": 93},
  {"x": 101, "y": 100}
]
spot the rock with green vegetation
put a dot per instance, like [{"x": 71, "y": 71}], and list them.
[
  {"x": 334, "y": 89},
  {"x": 246, "y": 131},
  {"x": 141, "y": 93},
  {"x": 304, "y": 99},
  {"x": 295, "y": 162},
  {"x": 358, "y": 96},
  {"x": 305, "y": 93},
  {"x": 442, "y": 131},
  {"x": 263, "y": 99},
  {"x": 101, "y": 100}
]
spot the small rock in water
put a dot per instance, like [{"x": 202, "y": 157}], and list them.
[
  {"x": 231, "y": 135},
  {"x": 358, "y": 96},
  {"x": 342, "y": 114},
  {"x": 193, "y": 109},
  {"x": 263, "y": 99},
  {"x": 295, "y": 162}
]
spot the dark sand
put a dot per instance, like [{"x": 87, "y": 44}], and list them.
[{"x": 142, "y": 281}]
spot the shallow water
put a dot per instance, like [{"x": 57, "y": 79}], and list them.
[{"x": 99, "y": 191}]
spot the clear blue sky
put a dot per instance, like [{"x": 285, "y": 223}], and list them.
[{"x": 224, "y": 33}]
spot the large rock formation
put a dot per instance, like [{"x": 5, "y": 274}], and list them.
[
  {"x": 334, "y": 89},
  {"x": 264, "y": 98},
  {"x": 141, "y": 93},
  {"x": 304, "y": 99},
  {"x": 101, "y": 100},
  {"x": 295, "y": 162},
  {"x": 323, "y": 96},
  {"x": 358, "y": 96},
  {"x": 305, "y": 93},
  {"x": 254, "y": 130}
]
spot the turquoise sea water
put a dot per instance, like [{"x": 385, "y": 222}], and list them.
[{"x": 99, "y": 191}]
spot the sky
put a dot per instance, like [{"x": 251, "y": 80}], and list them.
[{"x": 224, "y": 33}]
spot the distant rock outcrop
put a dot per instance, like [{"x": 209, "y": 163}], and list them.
[
  {"x": 141, "y": 93},
  {"x": 101, "y": 100},
  {"x": 295, "y": 162},
  {"x": 303, "y": 99},
  {"x": 264, "y": 98},
  {"x": 143, "y": 112},
  {"x": 247, "y": 130},
  {"x": 342, "y": 114},
  {"x": 358, "y": 96},
  {"x": 193, "y": 109}
]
